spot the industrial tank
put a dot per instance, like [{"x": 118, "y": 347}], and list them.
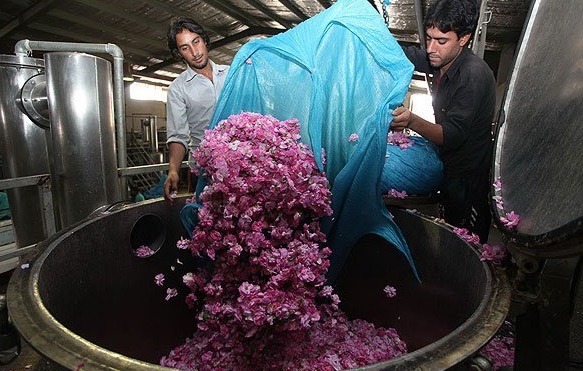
[
  {"x": 106, "y": 312},
  {"x": 23, "y": 143},
  {"x": 84, "y": 165}
]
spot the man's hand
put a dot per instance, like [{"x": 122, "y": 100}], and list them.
[
  {"x": 405, "y": 119},
  {"x": 176, "y": 152},
  {"x": 401, "y": 118},
  {"x": 171, "y": 186}
]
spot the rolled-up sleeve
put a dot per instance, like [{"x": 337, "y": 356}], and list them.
[{"x": 177, "y": 130}]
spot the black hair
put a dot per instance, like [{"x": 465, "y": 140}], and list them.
[
  {"x": 459, "y": 16},
  {"x": 181, "y": 24}
]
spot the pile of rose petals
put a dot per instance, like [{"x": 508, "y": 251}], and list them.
[{"x": 262, "y": 301}]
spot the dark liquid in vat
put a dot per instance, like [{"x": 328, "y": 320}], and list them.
[{"x": 421, "y": 312}]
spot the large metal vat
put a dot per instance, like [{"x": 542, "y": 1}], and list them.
[
  {"x": 84, "y": 165},
  {"x": 88, "y": 299},
  {"x": 23, "y": 144},
  {"x": 539, "y": 162}
]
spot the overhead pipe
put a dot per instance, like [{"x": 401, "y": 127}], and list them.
[{"x": 25, "y": 48}]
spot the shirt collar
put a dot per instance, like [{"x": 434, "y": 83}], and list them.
[
  {"x": 191, "y": 74},
  {"x": 458, "y": 61}
]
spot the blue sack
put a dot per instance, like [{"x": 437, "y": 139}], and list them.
[
  {"x": 339, "y": 73},
  {"x": 156, "y": 191},
  {"x": 4, "y": 207},
  {"x": 417, "y": 170}
]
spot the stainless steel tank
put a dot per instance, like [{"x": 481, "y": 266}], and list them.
[
  {"x": 23, "y": 144},
  {"x": 106, "y": 312},
  {"x": 84, "y": 164}
]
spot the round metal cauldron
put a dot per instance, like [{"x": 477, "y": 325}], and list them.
[{"x": 88, "y": 299}]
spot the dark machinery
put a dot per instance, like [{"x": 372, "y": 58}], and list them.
[{"x": 539, "y": 162}]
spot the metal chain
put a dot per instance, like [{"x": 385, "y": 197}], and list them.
[{"x": 385, "y": 13}]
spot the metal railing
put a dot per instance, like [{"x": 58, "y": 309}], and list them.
[
  {"x": 43, "y": 181},
  {"x": 138, "y": 155}
]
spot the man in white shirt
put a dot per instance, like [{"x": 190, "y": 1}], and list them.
[{"x": 192, "y": 96}]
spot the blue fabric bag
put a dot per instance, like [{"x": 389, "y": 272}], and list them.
[
  {"x": 339, "y": 73},
  {"x": 418, "y": 170}
]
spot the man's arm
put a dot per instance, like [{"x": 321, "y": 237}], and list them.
[
  {"x": 403, "y": 118},
  {"x": 176, "y": 153},
  {"x": 178, "y": 136}
]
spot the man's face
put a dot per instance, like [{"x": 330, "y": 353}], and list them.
[
  {"x": 443, "y": 48},
  {"x": 193, "y": 49}
]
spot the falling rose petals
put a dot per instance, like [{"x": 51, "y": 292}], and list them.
[
  {"x": 183, "y": 243},
  {"x": 170, "y": 293},
  {"x": 262, "y": 301},
  {"x": 390, "y": 291},
  {"x": 159, "y": 279}
]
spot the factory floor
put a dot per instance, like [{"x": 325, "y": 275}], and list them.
[{"x": 29, "y": 359}]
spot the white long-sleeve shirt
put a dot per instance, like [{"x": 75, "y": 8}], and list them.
[{"x": 190, "y": 105}]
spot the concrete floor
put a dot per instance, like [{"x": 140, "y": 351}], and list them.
[{"x": 28, "y": 358}]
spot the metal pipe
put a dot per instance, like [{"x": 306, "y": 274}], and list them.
[
  {"x": 420, "y": 28},
  {"x": 479, "y": 37},
  {"x": 25, "y": 48},
  {"x": 144, "y": 169}
]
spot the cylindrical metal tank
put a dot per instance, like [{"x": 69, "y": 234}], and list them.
[
  {"x": 150, "y": 132},
  {"x": 108, "y": 314},
  {"x": 23, "y": 147},
  {"x": 84, "y": 165}
]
